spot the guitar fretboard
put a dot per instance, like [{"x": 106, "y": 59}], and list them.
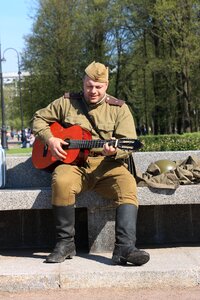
[{"x": 89, "y": 144}]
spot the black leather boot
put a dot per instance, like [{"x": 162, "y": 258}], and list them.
[
  {"x": 64, "y": 222},
  {"x": 125, "y": 231}
]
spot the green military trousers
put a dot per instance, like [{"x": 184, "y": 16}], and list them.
[{"x": 104, "y": 175}]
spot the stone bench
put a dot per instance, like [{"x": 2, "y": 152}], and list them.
[{"x": 165, "y": 216}]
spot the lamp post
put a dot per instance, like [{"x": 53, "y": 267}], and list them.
[
  {"x": 3, "y": 127},
  {"x": 23, "y": 137}
]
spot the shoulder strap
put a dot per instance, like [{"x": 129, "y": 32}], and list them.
[
  {"x": 85, "y": 110},
  {"x": 72, "y": 95},
  {"x": 131, "y": 165},
  {"x": 109, "y": 99},
  {"x": 114, "y": 101}
]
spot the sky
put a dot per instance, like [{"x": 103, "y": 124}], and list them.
[{"x": 15, "y": 23}]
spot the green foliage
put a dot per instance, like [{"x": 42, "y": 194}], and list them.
[
  {"x": 173, "y": 142},
  {"x": 151, "y": 47}
]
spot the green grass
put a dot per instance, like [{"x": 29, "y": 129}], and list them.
[{"x": 19, "y": 151}]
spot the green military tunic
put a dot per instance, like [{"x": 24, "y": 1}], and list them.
[
  {"x": 113, "y": 119},
  {"x": 111, "y": 116}
]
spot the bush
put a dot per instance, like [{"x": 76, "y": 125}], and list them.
[{"x": 173, "y": 142}]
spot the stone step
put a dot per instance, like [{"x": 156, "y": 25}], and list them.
[{"x": 168, "y": 268}]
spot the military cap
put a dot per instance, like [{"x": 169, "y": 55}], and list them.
[{"x": 97, "y": 72}]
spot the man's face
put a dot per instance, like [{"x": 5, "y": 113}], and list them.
[{"x": 94, "y": 91}]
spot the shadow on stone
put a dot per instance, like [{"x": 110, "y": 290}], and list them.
[{"x": 22, "y": 174}]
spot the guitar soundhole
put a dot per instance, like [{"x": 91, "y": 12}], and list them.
[
  {"x": 66, "y": 125},
  {"x": 45, "y": 151},
  {"x": 65, "y": 147}
]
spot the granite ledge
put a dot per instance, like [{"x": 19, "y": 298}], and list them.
[{"x": 40, "y": 198}]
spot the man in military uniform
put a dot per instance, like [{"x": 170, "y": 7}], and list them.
[{"x": 104, "y": 172}]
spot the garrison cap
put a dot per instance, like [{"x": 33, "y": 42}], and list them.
[{"x": 97, "y": 72}]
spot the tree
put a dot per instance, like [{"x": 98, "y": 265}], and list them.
[
  {"x": 56, "y": 53},
  {"x": 177, "y": 24},
  {"x": 151, "y": 47}
]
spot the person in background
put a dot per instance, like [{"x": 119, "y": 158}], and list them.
[
  {"x": 104, "y": 171},
  {"x": 30, "y": 138}
]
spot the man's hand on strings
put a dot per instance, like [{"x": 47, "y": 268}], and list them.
[
  {"x": 109, "y": 150},
  {"x": 55, "y": 144}
]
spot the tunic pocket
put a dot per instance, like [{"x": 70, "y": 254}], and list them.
[{"x": 108, "y": 127}]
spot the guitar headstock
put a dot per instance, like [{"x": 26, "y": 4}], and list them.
[{"x": 129, "y": 144}]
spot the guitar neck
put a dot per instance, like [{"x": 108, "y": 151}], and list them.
[{"x": 89, "y": 144}]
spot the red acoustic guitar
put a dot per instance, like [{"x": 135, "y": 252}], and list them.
[{"x": 79, "y": 142}]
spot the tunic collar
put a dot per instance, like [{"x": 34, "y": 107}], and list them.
[{"x": 93, "y": 105}]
